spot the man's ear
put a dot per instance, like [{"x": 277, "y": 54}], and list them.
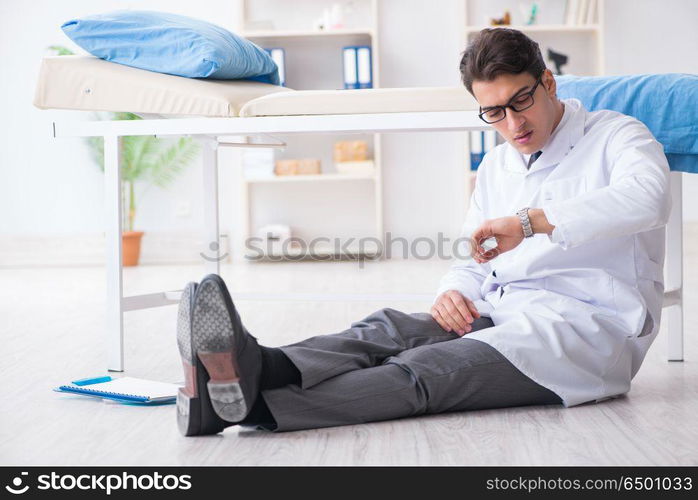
[{"x": 549, "y": 82}]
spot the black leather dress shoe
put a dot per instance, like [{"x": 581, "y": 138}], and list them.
[{"x": 221, "y": 360}]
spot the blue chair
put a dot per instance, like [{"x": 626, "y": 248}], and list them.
[{"x": 668, "y": 105}]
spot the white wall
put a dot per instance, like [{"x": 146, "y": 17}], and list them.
[
  {"x": 663, "y": 38},
  {"x": 423, "y": 181},
  {"x": 49, "y": 186}
]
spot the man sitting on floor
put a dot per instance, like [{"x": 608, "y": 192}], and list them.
[{"x": 562, "y": 310}]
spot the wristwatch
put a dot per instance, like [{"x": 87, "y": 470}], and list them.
[{"x": 525, "y": 222}]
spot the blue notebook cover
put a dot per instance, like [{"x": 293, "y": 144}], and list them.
[{"x": 125, "y": 389}]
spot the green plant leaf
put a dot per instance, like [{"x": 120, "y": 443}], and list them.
[
  {"x": 146, "y": 159},
  {"x": 173, "y": 160},
  {"x": 139, "y": 154},
  {"x": 60, "y": 50}
]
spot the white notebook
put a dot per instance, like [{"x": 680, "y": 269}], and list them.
[{"x": 127, "y": 389}]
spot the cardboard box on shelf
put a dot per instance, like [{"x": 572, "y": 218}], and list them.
[
  {"x": 302, "y": 166},
  {"x": 350, "y": 151}
]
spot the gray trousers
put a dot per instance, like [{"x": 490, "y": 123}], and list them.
[{"x": 391, "y": 365}]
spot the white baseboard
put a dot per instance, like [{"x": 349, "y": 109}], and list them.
[{"x": 89, "y": 250}]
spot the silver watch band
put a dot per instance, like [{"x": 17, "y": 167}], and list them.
[{"x": 525, "y": 222}]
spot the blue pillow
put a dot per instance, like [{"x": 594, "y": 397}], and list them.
[
  {"x": 168, "y": 43},
  {"x": 665, "y": 103}
]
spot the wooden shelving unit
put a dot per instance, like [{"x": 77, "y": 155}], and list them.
[
  {"x": 314, "y": 61},
  {"x": 309, "y": 178},
  {"x": 259, "y": 34}
]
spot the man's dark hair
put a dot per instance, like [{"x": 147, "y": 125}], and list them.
[{"x": 496, "y": 51}]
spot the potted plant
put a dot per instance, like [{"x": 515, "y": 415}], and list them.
[{"x": 144, "y": 160}]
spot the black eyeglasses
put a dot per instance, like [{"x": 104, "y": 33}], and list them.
[{"x": 518, "y": 103}]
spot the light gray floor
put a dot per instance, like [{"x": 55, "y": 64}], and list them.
[{"x": 51, "y": 326}]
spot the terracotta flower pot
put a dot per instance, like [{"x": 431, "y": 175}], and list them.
[{"x": 131, "y": 247}]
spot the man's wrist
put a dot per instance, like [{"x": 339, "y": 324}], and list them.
[
  {"x": 525, "y": 221},
  {"x": 539, "y": 222}
]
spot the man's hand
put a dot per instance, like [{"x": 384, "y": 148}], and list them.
[
  {"x": 453, "y": 311},
  {"x": 506, "y": 230}
]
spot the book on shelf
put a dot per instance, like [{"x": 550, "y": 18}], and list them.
[
  {"x": 480, "y": 143},
  {"x": 358, "y": 73},
  {"x": 363, "y": 62},
  {"x": 581, "y": 12}
]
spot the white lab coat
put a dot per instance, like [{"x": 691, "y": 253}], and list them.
[{"x": 575, "y": 311}]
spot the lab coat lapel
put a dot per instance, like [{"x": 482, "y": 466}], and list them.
[
  {"x": 562, "y": 141},
  {"x": 513, "y": 161}
]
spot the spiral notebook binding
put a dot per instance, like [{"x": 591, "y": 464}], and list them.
[{"x": 117, "y": 395}]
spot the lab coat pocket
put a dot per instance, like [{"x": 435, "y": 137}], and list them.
[
  {"x": 596, "y": 292},
  {"x": 563, "y": 189}
]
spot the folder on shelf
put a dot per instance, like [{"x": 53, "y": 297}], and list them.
[
  {"x": 591, "y": 12},
  {"x": 350, "y": 68},
  {"x": 364, "y": 73},
  {"x": 125, "y": 389},
  {"x": 480, "y": 143},
  {"x": 477, "y": 149},
  {"x": 571, "y": 12},
  {"x": 582, "y": 12},
  {"x": 490, "y": 140},
  {"x": 358, "y": 72}
]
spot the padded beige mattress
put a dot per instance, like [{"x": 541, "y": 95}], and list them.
[
  {"x": 92, "y": 84},
  {"x": 364, "y": 101}
]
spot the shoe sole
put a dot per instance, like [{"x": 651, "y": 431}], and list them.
[
  {"x": 212, "y": 398},
  {"x": 217, "y": 353},
  {"x": 195, "y": 414}
]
